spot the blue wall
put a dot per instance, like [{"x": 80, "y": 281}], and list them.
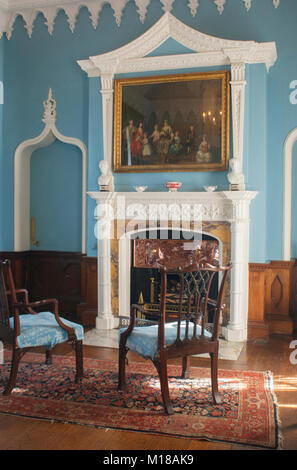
[
  {"x": 56, "y": 189},
  {"x": 33, "y": 65}
]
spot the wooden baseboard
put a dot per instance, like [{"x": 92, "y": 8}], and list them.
[
  {"x": 279, "y": 324},
  {"x": 258, "y": 330}
]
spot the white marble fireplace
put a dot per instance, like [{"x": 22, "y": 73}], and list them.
[
  {"x": 151, "y": 209},
  {"x": 231, "y": 207}
]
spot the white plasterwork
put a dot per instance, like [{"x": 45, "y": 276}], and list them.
[
  {"x": 29, "y": 9},
  {"x": 248, "y": 4},
  {"x": 287, "y": 193},
  {"x": 238, "y": 84},
  {"x": 142, "y": 6},
  {"x": 207, "y": 51},
  {"x": 193, "y": 5},
  {"x": 220, "y": 5},
  {"x": 22, "y": 159}
]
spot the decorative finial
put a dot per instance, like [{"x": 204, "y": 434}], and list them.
[{"x": 49, "y": 105}]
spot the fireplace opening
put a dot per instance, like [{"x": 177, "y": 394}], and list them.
[{"x": 146, "y": 278}]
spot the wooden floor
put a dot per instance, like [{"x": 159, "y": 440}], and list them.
[{"x": 274, "y": 355}]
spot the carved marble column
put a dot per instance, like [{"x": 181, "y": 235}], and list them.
[
  {"x": 105, "y": 318},
  {"x": 236, "y": 329},
  {"x": 104, "y": 216}
]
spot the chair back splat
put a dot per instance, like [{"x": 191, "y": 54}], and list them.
[
  {"x": 182, "y": 329},
  {"x": 194, "y": 308}
]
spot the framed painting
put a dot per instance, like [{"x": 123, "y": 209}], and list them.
[{"x": 172, "y": 123}]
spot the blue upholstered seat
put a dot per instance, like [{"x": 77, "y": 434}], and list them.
[
  {"x": 43, "y": 330},
  {"x": 144, "y": 339}
]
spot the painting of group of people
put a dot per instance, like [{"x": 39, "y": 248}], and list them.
[
  {"x": 172, "y": 123},
  {"x": 163, "y": 144}
]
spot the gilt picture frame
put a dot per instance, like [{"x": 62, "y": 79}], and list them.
[{"x": 172, "y": 123}]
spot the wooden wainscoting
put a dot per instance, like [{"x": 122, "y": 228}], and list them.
[
  {"x": 272, "y": 298},
  {"x": 257, "y": 326},
  {"x": 54, "y": 274},
  {"x": 87, "y": 310},
  {"x": 49, "y": 274},
  {"x": 20, "y": 266}
]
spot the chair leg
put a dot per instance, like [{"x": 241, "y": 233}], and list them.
[
  {"x": 123, "y": 350},
  {"x": 186, "y": 368},
  {"x": 214, "y": 377},
  {"x": 16, "y": 357},
  {"x": 49, "y": 357},
  {"x": 79, "y": 361},
  {"x": 161, "y": 367}
]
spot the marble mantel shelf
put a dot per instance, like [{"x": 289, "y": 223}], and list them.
[
  {"x": 225, "y": 206},
  {"x": 217, "y": 205},
  {"x": 175, "y": 197},
  {"x": 179, "y": 196}
]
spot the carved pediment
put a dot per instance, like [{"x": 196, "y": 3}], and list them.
[{"x": 207, "y": 51}]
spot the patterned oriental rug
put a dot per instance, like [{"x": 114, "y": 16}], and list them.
[{"x": 247, "y": 415}]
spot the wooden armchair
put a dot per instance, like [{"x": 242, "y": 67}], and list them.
[
  {"x": 185, "y": 336},
  {"x": 26, "y": 329}
]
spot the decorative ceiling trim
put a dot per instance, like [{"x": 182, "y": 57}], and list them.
[{"x": 29, "y": 9}]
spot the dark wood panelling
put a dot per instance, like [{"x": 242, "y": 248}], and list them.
[
  {"x": 49, "y": 274},
  {"x": 20, "y": 266},
  {"x": 56, "y": 274},
  {"x": 88, "y": 309}
]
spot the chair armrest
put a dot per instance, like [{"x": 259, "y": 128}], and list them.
[
  {"x": 27, "y": 306},
  {"x": 128, "y": 331},
  {"x": 21, "y": 291}
]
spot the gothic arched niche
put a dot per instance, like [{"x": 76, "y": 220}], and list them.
[{"x": 22, "y": 159}]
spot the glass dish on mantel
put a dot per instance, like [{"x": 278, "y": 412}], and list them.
[{"x": 210, "y": 189}]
